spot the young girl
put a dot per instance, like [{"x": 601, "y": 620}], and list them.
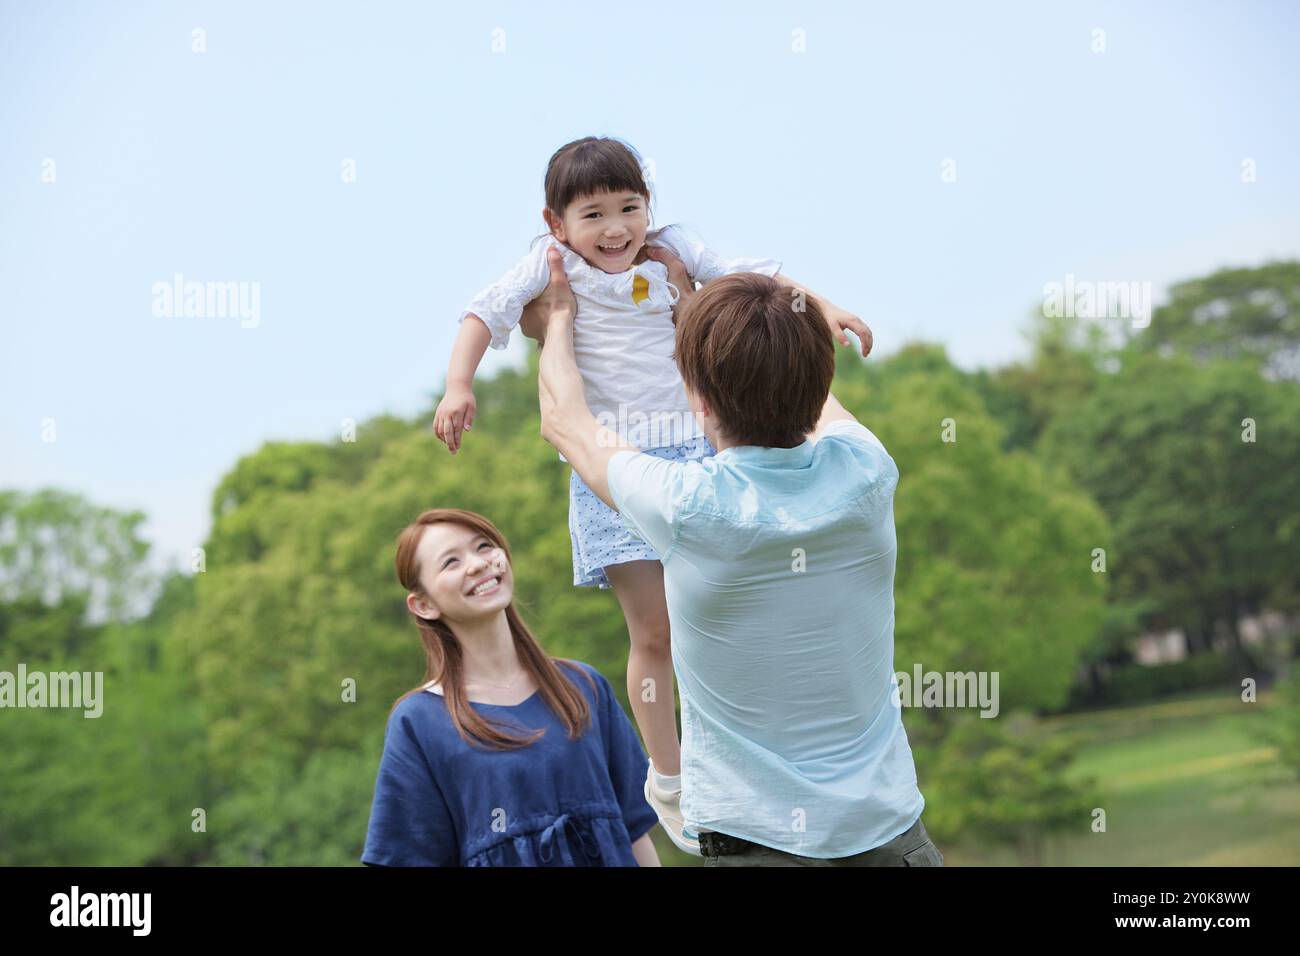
[
  {"x": 597, "y": 211},
  {"x": 455, "y": 786}
]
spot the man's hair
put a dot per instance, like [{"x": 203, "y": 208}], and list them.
[{"x": 760, "y": 354}]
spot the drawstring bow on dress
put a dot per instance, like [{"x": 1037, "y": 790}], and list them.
[{"x": 560, "y": 826}]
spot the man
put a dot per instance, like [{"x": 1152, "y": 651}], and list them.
[{"x": 778, "y": 556}]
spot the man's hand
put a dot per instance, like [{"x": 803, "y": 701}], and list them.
[
  {"x": 455, "y": 414},
  {"x": 676, "y": 275},
  {"x": 557, "y": 297}
]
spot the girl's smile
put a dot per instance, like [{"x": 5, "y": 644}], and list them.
[{"x": 613, "y": 252}]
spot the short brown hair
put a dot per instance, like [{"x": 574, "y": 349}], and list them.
[{"x": 760, "y": 354}]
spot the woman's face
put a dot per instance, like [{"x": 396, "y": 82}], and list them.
[
  {"x": 464, "y": 574},
  {"x": 607, "y": 229}
]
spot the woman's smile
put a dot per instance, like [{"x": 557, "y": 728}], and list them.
[{"x": 488, "y": 586}]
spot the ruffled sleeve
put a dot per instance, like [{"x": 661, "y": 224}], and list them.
[
  {"x": 628, "y": 765},
  {"x": 501, "y": 305},
  {"x": 410, "y": 823},
  {"x": 702, "y": 263}
]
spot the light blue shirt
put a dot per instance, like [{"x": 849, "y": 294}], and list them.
[{"x": 779, "y": 577}]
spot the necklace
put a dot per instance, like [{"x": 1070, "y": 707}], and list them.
[{"x": 502, "y": 686}]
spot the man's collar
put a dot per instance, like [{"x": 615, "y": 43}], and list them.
[{"x": 797, "y": 457}]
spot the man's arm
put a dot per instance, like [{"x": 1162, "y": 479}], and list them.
[
  {"x": 832, "y": 411},
  {"x": 567, "y": 422}
]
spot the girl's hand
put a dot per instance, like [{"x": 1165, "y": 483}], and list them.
[
  {"x": 455, "y": 414},
  {"x": 841, "y": 322}
]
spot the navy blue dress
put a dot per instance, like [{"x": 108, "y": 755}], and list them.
[{"x": 557, "y": 802}]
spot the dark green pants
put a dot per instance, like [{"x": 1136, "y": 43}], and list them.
[{"x": 912, "y": 847}]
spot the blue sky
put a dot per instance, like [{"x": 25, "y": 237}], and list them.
[{"x": 226, "y": 166}]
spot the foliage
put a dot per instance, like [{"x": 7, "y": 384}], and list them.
[
  {"x": 1003, "y": 781},
  {"x": 1194, "y": 464},
  {"x": 1234, "y": 313}
]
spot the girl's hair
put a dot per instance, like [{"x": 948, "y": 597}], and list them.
[
  {"x": 593, "y": 164},
  {"x": 445, "y": 657}
]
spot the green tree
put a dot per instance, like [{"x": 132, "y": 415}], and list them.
[
  {"x": 1283, "y": 727},
  {"x": 112, "y": 789},
  {"x": 55, "y": 544},
  {"x": 1003, "y": 782},
  {"x": 1234, "y": 313},
  {"x": 1068, "y": 360},
  {"x": 315, "y": 815},
  {"x": 1194, "y": 464}
]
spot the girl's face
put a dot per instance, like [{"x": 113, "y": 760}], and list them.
[
  {"x": 607, "y": 229},
  {"x": 464, "y": 574}
]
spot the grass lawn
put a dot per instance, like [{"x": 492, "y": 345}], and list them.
[{"x": 1184, "y": 782}]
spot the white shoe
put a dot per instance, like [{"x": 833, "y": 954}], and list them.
[{"x": 668, "y": 805}]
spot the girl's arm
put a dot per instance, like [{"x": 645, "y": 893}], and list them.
[
  {"x": 455, "y": 412},
  {"x": 704, "y": 265},
  {"x": 838, "y": 319},
  {"x": 487, "y": 322}
]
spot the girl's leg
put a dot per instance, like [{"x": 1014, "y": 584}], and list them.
[{"x": 639, "y": 586}]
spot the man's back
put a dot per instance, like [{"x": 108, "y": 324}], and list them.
[{"x": 779, "y": 573}]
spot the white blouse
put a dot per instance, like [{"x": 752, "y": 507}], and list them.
[{"x": 623, "y": 332}]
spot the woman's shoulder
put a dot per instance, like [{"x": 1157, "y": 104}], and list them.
[
  {"x": 583, "y": 675},
  {"x": 597, "y": 678},
  {"x": 415, "y": 708}
]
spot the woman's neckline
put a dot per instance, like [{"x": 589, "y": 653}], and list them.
[{"x": 482, "y": 703}]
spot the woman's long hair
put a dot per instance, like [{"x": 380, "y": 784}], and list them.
[{"x": 445, "y": 657}]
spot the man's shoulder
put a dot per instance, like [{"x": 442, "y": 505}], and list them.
[
  {"x": 655, "y": 495},
  {"x": 633, "y": 465},
  {"x": 853, "y": 431}
]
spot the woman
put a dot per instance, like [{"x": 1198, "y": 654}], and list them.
[{"x": 456, "y": 787}]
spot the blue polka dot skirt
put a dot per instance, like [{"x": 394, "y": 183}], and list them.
[{"x": 597, "y": 531}]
